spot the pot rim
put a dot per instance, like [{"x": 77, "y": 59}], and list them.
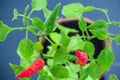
[
  {"x": 89, "y": 21},
  {"x": 61, "y": 20}
]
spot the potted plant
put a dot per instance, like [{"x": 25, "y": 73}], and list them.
[{"x": 61, "y": 52}]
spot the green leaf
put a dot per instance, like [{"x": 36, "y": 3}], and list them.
[
  {"x": 113, "y": 77},
  {"x": 60, "y": 56},
  {"x": 74, "y": 67},
  {"x": 84, "y": 75},
  {"x": 45, "y": 74},
  {"x": 82, "y": 24},
  {"x": 76, "y": 43},
  {"x": 25, "y": 63},
  {"x": 50, "y": 62},
  {"x": 24, "y": 20},
  {"x": 37, "y": 22},
  {"x": 25, "y": 48},
  {"x": 65, "y": 40},
  {"x": 66, "y": 30},
  {"x": 16, "y": 68},
  {"x": 73, "y": 10},
  {"x": 42, "y": 77},
  {"x": 4, "y": 31},
  {"x": 105, "y": 59},
  {"x": 117, "y": 39},
  {"x": 51, "y": 19},
  {"x": 73, "y": 74},
  {"x": 51, "y": 52},
  {"x": 89, "y": 49},
  {"x": 100, "y": 34},
  {"x": 47, "y": 13},
  {"x": 59, "y": 72},
  {"x": 38, "y": 46},
  {"x": 89, "y": 8},
  {"x": 89, "y": 78},
  {"x": 52, "y": 49},
  {"x": 94, "y": 71},
  {"x": 26, "y": 9},
  {"x": 39, "y": 4},
  {"x": 34, "y": 56},
  {"x": 15, "y": 14},
  {"x": 98, "y": 24},
  {"x": 56, "y": 37}
]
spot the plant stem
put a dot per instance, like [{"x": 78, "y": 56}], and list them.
[
  {"x": 80, "y": 72},
  {"x": 27, "y": 33},
  {"x": 88, "y": 35},
  {"x": 26, "y": 17},
  {"x": 33, "y": 32},
  {"x": 49, "y": 40},
  {"x": 105, "y": 12},
  {"x": 83, "y": 36},
  {"x": 25, "y": 28},
  {"x": 92, "y": 59},
  {"x": 112, "y": 34},
  {"x": 72, "y": 57},
  {"x": 27, "y": 23},
  {"x": 20, "y": 28},
  {"x": 47, "y": 57},
  {"x": 92, "y": 37},
  {"x": 114, "y": 23},
  {"x": 30, "y": 13},
  {"x": 107, "y": 16}
]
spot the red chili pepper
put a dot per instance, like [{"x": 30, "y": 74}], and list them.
[
  {"x": 82, "y": 57},
  {"x": 32, "y": 69}
]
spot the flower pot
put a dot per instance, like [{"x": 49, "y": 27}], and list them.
[{"x": 73, "y": 23}]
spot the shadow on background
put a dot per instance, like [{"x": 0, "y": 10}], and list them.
[{"x": 9, "y": 46}]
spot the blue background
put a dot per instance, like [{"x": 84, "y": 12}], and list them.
[{"x": 8, "y": 47}]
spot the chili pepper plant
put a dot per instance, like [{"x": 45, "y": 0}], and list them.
[{"x": 55, "y": 61}]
